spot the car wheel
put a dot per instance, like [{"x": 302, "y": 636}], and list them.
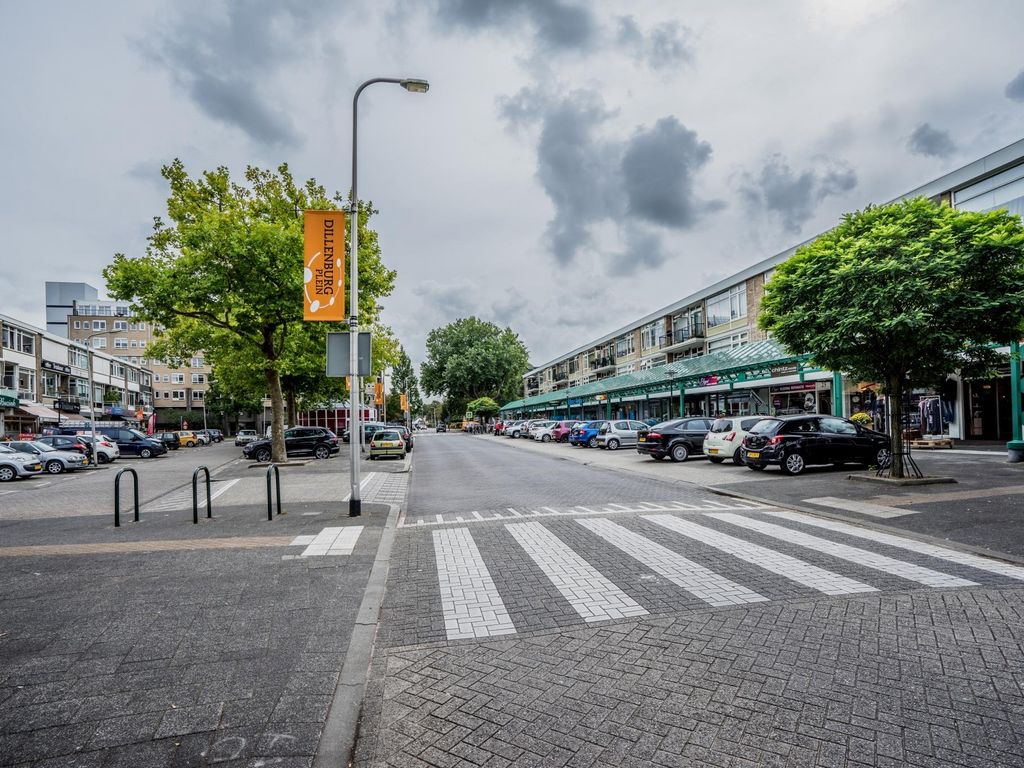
[
  {"x": 679, "y": 452},
  {"x": 102, "y": 459},
  {"x": 145, "y": 453},
  {"x": 715, "y": 459},
  {"x": 545, "y": 438},
  {"x": 322, "y": 452},
  {"x": 883, "y": 458},
  {"x": 373, "y": 458},
  {"x": 263, "y": 455},
  {"x": 54, "y": 467},
  {"x": 7, "y": 474},
  {"x": 737, "y": 458},
  {"x": 793, "y": 464},
  {"x": 613, "y": 445},
  {"x": 592, "y": 442}
]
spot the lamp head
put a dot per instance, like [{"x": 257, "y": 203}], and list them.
[{"x": 413, "y": 85}]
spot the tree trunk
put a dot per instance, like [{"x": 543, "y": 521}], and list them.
[
  {"x": 292, "y": 416},
  {"x": 277, "y": 414},
  {"x": 895, "y": 394}
]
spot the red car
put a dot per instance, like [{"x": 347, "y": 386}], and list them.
[{"x": 560, "y": 433}]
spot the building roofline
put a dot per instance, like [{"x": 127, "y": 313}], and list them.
[{"x": 7, "y": 319}]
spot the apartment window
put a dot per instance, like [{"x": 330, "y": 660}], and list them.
[
  {"x": 167, "y": 377},
  {"x": 197, "y": 394},
  {"x": 133, "y": 375},
  {"x": 727, "y": 306},
  {"x": 117, "y": 370},
  {"x": 650, "y": 334},
  {"x": 769, "y": 274},
  {"x": 142, "y": 326},
  {"x": 177, "y": 378},
  {"x": 99, "y": 342},
  {"x": 121, "y": 343},
  {"x": 198, "y": 362},
  {"x": 99, "y": 325},
  {"x": 78, "y": 358},
  {"x": 77, "y": 325},
  {"x": 80, "y": 388},
  {"x": 120, "y": 325},
  {"x": 143, "y": 361},
  {"x": 624, "y": 346},
  {"x": 198, "y": 378},
  {"x": 728, "y": 342},
  {"x": 19, "y": 340},
  {"x": 178, "y": 394}
]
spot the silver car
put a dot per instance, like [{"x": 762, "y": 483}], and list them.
[
  {"x": 53, "y": 461},
  {"x": 619, "y": 433},
  {"x": 15, "y": 464}
]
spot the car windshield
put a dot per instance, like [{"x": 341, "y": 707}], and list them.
[
  {"x": 722, "y": 425},
  {"x": 247, "y": 432},
  {"x": 665, "y": 425},
  {"x": 386, "y": 435},
  {"x": 39, "y": 446},
  {"x": 136, "y": 433},
  {"x": 5, "y": 449},
  {"x": 765, "y": 427}
]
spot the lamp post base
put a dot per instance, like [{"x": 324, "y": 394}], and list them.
[{"x": 355, "y": 507}]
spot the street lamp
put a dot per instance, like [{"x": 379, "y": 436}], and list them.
[
  {"x": 92, "y": 394},
  {"x": 412, "y": 85}
]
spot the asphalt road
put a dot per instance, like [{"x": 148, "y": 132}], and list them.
[{"x": 542, "y": 611}]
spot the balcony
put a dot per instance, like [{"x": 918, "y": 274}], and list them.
[
  {"x": 598, "y": 364},
  {"x": 560, "y": 376},
  {"x": 688, "y": 335}
]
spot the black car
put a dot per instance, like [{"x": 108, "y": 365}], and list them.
[
  {"x": 406, "y": 435},
  {"x": 131, "y": 442},
  {"x": 796, "y": 442},
  {"x": 170, "y": 439},
  {"x": 215, "y": 435},
  {"x": 315, "y": 441},
  {"x": 67, "y": 443},
  {"x": 441, "y": 428},
  {"x": 369, "y": 427},
  {"x": 678, "y": 439}
]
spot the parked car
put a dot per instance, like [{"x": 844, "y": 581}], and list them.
[
  {"x": 66, "y": 443},
  {"x": 560, "y": 432},
  {"x": 516, "y": 429},
  {"x": 203, "y": 437},
  {"x": 54, "y": 461},
  {"x": 369, "y": 428},
  {"x": 532, "y": 427},
  {"x": 406, "y": 434},
  {"x": 387, "y": 442},
  {"x": 544, "y": 432},
  {"x": 316, "y": 441},
  {"x": 616, "y": 434},
  {"x": 131, "y": 442},
  {"x": 169, "y": 439},
  {"x": 15, "y": 464},
  {"x": 678, "y": 439},
  {"x": 106, "y": 449},
  {"x": 245, "y": 436},
  {"x": 585, "y": 433},
  {"x": 187, "y": 438},
  {"x": 726, "y": 437},
  {"x": 442, "y": 427},
  {"x": 796, "y": 442},
  {"x": 216, "y": 435}
]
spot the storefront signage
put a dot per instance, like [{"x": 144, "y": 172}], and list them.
[
  {"x": 600, "y": 398},
  {"x": 48, "y": 366},
  {"x": 114, "y": 410},
  {"x": 574, "y": 402},
  {"x": 785, "y": 369},
  {"x": 67, "y": 406},
  {"x": 803, "y": 386},
  {"x": 9, "y": 399},
  {"x": 707, "y": 381}
]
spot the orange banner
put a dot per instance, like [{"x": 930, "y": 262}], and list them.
[{"x": 323, "y": 261}]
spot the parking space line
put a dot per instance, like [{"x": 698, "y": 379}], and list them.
[
  {"x": 776, "y": 562},
  {"x": 863, "y": 507},
  {"x": 683, "y": 572},
  {"x": 594, "y": 597},
  {"x": 470, "y": 601},
  {"x": 864, "y": 557}
]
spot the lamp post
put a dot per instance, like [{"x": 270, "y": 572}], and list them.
[
  {"x": 355, "y": 395},
  {"x": 92, "y": 394}
]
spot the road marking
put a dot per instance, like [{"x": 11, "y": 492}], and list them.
[
  {"x": 594, "y": 597},
  {"x": 952, "y": 555},
  {"x": 470, "y": 602},
  {"x": 513, "y": 512},
  {"x": 182, "y": 498},
  {"x": 863, "y": 507},
  {"x": 878, "y": 562},
  {"x": 694, "y": 578},
  {"x": 362, "y": 485},
  {"x": 333, "y": 541},
  {"x": 776, "y": 562},
  {"x": 477, "y": 515}
]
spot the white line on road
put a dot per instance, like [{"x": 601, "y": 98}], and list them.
[
  {"x": 594, "y": 597},
  {"x": 470, "y": 602},
  {"x": 694, "y": 578},
  {"x": 868, "y": 559},
  {"x": 953, "y": 556},
  {"x": 332, "y": 541},
  {"x": 776, "y": 562},
  {"x": 863, "y": 507},
  {"x": 362, "y": 486}
]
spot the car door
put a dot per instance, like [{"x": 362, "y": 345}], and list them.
[
  {"x": 813, "y": 445},
  {"x": 694, "y": 431},
  {"x": 634, "y": 429},
  {"x": 839, "y": 439},
  {"x": 294, "y": 442}
]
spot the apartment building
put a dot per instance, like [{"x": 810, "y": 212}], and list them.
[
  {"x": 704, "y": 354},
  {"x": 44, "y": 381}
]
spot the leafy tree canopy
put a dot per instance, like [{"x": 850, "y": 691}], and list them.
[
  {"x": 902, "y": 294},
  {"x": 483, "y": 406},
  {"x": 471, "y": 358}
]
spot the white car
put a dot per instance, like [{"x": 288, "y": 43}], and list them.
[
  {"x": 245, "y": 436},
  {"x": 53, "y": 461},
  {"x": 543, "y": 432},
  {"x": 15, "y": 464},
  {"x": 726, "y": 436},
  {"x": 106, "y": 449},
  {"x": 515, "y": 429},
  {"x": 534, "y": 428}
]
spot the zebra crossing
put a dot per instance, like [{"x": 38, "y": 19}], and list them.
[
  {"x": 182, "y": 498},
  {"x": 717, "y": 559}
]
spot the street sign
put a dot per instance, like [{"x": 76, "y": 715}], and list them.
[
  {"x": 338, "y": 363},
  {"x": 378, "y": 393},
  {"x": 323, "y": 266}
]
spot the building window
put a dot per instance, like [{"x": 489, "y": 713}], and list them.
[
  {"x": 78, "y": 358},
  {"x": 650, "y": 334},
  {"x": 77, "y": 325},
  {"x": 120, "y": 325},
  {"x": 99, "y": 325},
  {"x": 99, "y": 342},
  {"x": 121, "y": 343},
  {"x": 198, "y": 378},
  {"x": 728, "y": 342},
  {"x": 624, "y": 346},
  {"x": 177, "y": 378},
  {"x": 727, "y": 306},
  {"x": 197, "y": 394},
  {"x": 178, "y": 394},
  {"x": 198, "y": 362},
  {"x": 142, "y": 326},
  {"x": 19, "y": 340}
]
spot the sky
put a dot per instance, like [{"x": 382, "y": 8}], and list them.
[{"x": 575, "y": 165}]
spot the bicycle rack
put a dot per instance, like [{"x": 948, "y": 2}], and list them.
[
  {"x": 277, "y": 477},
  {"x": 117, "y": 495},
  {"x": 195, "y": 494}
]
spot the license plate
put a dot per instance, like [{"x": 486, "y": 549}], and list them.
[
  {"x": 85, "y": 462},
  {"x": 753, "y": 454},
  {"x": 712, "y": 450},
  {"x": 34, "y": 467},
  {"x": 641, "y": 439}
]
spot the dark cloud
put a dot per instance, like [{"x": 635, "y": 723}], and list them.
[
  {"x": 930, "y": 142},
  {"x": 1015, "y": 88},
  {"x": 666, "y": 47},
  {"x": 225, "y": 56},
  {"x": 794, "y": 197},
  {"x": 644, "y": 251},
  {"x": 658, "y": 169},
  {"x": 557, "y": 24},
  {"x": 449, "y": 299},
  {"x": 508, "y": 309}
]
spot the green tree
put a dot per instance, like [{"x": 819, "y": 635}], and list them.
[
  {"x": 903, "y": 294},
  {"x": 403, "y": 380},
  {"x": 471, "y": 358},
  {"x": 483, "y": 406},
  {"x": 225, "y": 275}
]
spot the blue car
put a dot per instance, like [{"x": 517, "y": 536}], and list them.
[{"x": 585, "y": 434}]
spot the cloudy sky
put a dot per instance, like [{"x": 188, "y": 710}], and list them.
[{"x": 575, "y": 164}]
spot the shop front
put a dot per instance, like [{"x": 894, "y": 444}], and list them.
[
  {"x": 8, "y": 405},
  {"x": 800, "y": 397}
]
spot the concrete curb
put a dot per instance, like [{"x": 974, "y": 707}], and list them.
[{"x": 337, "y": 743}]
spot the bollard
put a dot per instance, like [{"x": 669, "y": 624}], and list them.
[
  {"x": 277, "y": 477},
  {"x": 117, "y": 495},
  {"x": 195, "y": 495}
]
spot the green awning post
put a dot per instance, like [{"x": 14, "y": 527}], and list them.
[
  {"x": 647, "y": 404},
  {"x": 608, "y": 408},
  {"x": 682, "y": 398},
  {"x": 1015, "y": 393},
  {"x": 837, "y": 394}
]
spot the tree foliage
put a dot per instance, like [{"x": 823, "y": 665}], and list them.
[
  {"x": 471, "y": 358},
  {"x": 483, "y": 406},
  {"x": 403, "y": 380},
  {"x": 224, "y": 275},
  {"x": 902, "y": 295}
]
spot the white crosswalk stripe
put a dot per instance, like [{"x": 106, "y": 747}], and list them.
[
  {"x": 776, "y": 562},
  {"x": 594, "y": 597},
  {"x": 470, "y": 602},
  {"x": 923, "y": 548},
  {"x": 182, "y": 498},
  {"x": 330, "y": 541},
  {"x": 694, "y": 578},
  {"x": 920, "y": 574}
]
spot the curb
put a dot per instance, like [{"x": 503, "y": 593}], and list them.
[{"x": 338, "y": 740}]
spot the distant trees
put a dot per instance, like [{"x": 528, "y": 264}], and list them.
[{"x": 903, "y": 294}]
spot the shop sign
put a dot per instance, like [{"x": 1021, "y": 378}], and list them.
[
  {"x": 785, "y": 369},
  {"x": 707, "y": 381},
  {"x": 9, "y": 398},
  {"x": 114, "y": 410},
  {"x": 803, "y": 386},
  {"x": 67, "y": 406},
  {"x": 48, "y": 366},
  {"x": 600, "y": 398},
  {"x": 574, "y": 402}
]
